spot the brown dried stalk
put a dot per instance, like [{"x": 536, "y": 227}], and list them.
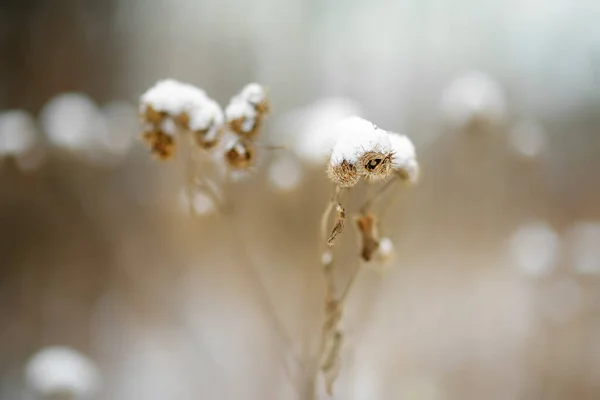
[{"x": 367, "y": 228}]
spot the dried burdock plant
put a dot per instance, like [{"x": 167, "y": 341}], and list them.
[
  {"x": 170, "y": 108},
  {"x": 246, "y": 111},
  {"x": 162, "y": 145},
  {"x": 361, "y": 150},
  {"x": 179, "y": 118},
  {"x": 240, "y": 154}
]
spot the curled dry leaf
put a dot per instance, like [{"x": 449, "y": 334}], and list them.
[
  {"x": 369, "y": 233},
  {"x": 339, "y": 224}
]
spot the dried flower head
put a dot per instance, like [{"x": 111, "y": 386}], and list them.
[
  {"x": 171, "y": 106},
  {"x": 246, "y": 111},
  {"x": 375, "y": 165},
  {"x": 162, "y": 145},
  {"x": 343, "y": 174},
  {"x": 404, "y": 160},
  {"x": 240, "y": 154},
  {"x": 361, "y": 150}
]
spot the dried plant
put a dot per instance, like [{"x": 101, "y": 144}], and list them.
[
  {"x": 361, "y": 150},
  {"x": 179, "y": 118}
]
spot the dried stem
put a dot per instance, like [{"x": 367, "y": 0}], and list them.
[
  {"x": 285, "y": 340},
  {"x": 368, "y": 204}
]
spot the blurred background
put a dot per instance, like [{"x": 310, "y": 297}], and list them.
[{"x": 494, "y": 288}]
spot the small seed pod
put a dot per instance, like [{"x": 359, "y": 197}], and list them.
[
  {"x": 208, "y": 138},
  {"x": 243, "y": 120},
  {"x": 246, "y": 111},
  {"x": 162, "y": 145},
  {"x": 240, "y": 154},
  {"x": 343, "y": 174},
  {"x": 375, "y": 165},
  {"x": 149, "y": 115}
]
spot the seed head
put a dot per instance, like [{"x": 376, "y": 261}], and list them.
[
  {"x": 170, "y": 107},
  {"x": 375, "y": 166},
  {"x": 162, "y": 145},
  {"x": 343, "y": 174},
  {"x": 240, "y": 154},
  {"x": 245, "y": 112}
]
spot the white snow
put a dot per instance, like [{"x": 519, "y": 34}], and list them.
[
  {"x": 62, "y": 369},
  {"x": 17, "y": 132},
  {"x": 386, "y": 248},
  {"x": 174, "y": 97},
  {"x": 405, "y": 156},
  {"x": 356, "y": 136},
  {"x": 310, "y": 129},
  {"x": 239, "y": 108},
  {"x": 473, "y": 95},
  {"x": 253, "y": 93}
]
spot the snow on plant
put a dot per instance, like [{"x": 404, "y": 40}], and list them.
[
  {"x": 308, "y": 130},
  {"x": 180, "y": 117},
  {"x": 362, "y": 151},
  {"x": 359, "y": 151}
]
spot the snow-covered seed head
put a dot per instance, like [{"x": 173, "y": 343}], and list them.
[
  {"x": 205, "y": 137},
  {"x": 374, "y": 165},
  {"x": 171, "y": 106},
  {"x": 343, "y": 174},
  {"x": 404, "y": 159},
  {"x": 245, "y": 112},
  {"x": 240, "y": 154},
  {"x": 361, "y": 150}
]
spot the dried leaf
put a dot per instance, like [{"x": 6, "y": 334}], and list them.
[
  {"x": 369, "y": 233},
  {"x": 339, "y": 224}
]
